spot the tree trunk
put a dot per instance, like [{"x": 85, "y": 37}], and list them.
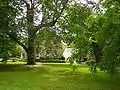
[
  {"x": 31, "y": 49},
  {"x": 31, "y": 35},
  {"x": 96, "y": 50}
]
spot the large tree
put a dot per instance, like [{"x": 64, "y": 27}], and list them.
[
  {"x": 108, "y": 35},
  {"x": 7, "y": 47},
  {"x": 74, "y": 28},
  {"x": 104, "y": 28},
  {"x": 7, "y": 13},
  {"x": 32, "y": 16}
]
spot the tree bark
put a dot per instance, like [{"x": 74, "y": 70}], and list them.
[
  {"x": 96, "y": 50},
  {"x": 31, "y": 49},
  {"x": 31, "y": 35}
]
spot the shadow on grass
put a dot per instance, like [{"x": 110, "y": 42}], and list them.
[
  {"x": 62, "y": 70},
  {"x": 59, "y": 75},
  {"x": 21, "y": 68}
]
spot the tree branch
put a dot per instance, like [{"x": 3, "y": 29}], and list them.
[
  {"x": 17, "y": 41},
  {"x": 27, "y": 4},
  {"x": 64, "y": 5},
  {"x": 52, "y": 23},
  {"x": 31, "y": 1}
]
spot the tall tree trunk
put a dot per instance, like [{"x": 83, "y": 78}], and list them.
[
  {"x": 31, "y": 49},
  {"x": 31, "y": 35}
]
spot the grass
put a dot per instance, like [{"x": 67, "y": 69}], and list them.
[{"x": 54, "y": 77}]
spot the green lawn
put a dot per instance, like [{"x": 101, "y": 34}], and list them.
[{"x": 54, "y": 77}]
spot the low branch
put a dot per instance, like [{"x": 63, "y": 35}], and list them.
[
  {"x": 17, "y": 41},
  {"x": 43, "y": 25}
]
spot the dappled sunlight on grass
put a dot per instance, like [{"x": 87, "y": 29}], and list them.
[{"x": 54, "y": 77}]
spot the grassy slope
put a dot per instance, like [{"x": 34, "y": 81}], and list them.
[{"x": 54, "y": 77}]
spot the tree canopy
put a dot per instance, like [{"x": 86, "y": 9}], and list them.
[{"x": 91, "y": 27}]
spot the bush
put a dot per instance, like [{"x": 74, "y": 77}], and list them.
[
  {"x": 50, "y": 60},
  {"x": 15, "y": 59}
]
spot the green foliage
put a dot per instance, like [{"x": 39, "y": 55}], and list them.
[
  {"x": 110, "y": 37},
  {"x": 74, "y": 28},
  {"x": 76, "y": 25},
  {"x": 8, "y": 48},
  {"x": 16, "y": 59},
  {"x": 80, "y": 25},
  {"x": 31, "y": 17},
  {"x": 7, "y": 15},
  {"x": 73, "y": 63},
  {"x": 48, "y": 44},
  {"x": 92, "y": 66},
  {"x": 105, "y": 27},
  {"x": 74, "y": 67}
]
